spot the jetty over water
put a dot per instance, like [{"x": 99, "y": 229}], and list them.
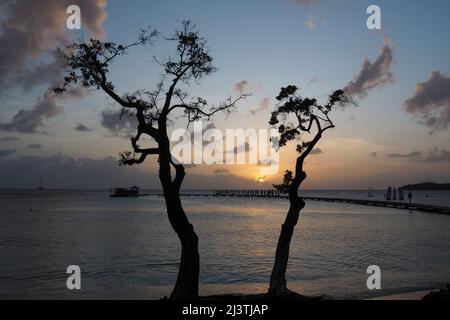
[{"x": 365, "y": 202}]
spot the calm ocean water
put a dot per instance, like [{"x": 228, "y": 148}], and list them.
[{"x": 126, "y": 248}]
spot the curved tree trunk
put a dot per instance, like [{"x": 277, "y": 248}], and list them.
[
  {"x": 302, "y": 108},
  {"x": 278, "y": 284},
  {"x": 186, "y": 286}
]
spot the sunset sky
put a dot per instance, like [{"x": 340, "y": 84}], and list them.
[{"x": 399, "y": 75}]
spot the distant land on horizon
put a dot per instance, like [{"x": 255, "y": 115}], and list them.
[{"x": 427, "y": 186}]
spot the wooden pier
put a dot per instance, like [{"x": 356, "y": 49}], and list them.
[{"x": 404, "y": 205}]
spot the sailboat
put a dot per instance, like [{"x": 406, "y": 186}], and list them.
[{"x": 41, "y": 186}]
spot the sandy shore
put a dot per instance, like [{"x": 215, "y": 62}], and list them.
[{"x": 417, "y": 295}]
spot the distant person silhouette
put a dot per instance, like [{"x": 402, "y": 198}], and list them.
[{"x": 410, "y": 196}]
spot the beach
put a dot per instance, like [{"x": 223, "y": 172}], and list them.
[{"x": 410, "y": 296}]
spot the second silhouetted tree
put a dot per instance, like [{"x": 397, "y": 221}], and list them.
[{"x": 295, "y": 117}]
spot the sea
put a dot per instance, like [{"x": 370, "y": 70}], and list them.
[{"x": 126, "y": 249}]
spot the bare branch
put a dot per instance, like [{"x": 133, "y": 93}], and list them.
[{"x": 195, "y": 110}]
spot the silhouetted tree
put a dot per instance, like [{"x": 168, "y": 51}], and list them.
[
  {"x": 294, "y": 117},
  {"x": 287, "y": 179},
  {"x": 87, "y": 65}
]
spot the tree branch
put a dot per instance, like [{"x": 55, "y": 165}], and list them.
[
  {"x": 128, "y": 159},
  {"x": 198, "y": 111}
]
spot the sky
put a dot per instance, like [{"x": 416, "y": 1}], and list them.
[{"x": 400, "y": 76}]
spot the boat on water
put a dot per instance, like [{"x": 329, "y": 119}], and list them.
[{"x": 132, "y": 192}]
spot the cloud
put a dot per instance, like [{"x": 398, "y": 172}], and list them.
[
  {"x": 312, "y": 80},
  {"x": 30, "y": 29},
  {"x": 6, "y": 152},
  {"x": 313, "y": 21},
  {"x": 374, "y": 154},
  {"x": 316, "y": 151},
  {"x": 263, "y": 105},
  {"x": 414, "y": 154},
  {"x": 120, "y": 123},
  {"x": 83, "y": 128},
  {"x": 242, "y": 148},
  {"x": 29, "y": 33},
  {"x": 434, "y": 156},
  {"x": 49, "y": 73},
  {"x": 267, "y": 162},
  {"x": 210, "y": 126},
  {"x": 28, "y": 121},
  {"x": 60, "y": 171},
  {"x": 35, "y": 146},
  {"x": 373, "y": 74},
  {"x": 242, "y": 86},
  {"x": 437, "y": 155},
  {"x": 430, "y": 104},
  {"x": 221, "y": 171},
  {"x": 9, "y": 139}
]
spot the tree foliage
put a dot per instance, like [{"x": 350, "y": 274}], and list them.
[
  {"x": 87, "y": 65},
  {"x": 287, "y": 179},
  {"x": 295, "y": 115}
]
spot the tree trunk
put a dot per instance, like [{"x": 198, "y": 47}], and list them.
[
  {"x": 186, "y": 286},
  {"x": 278, "y": 285}
]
